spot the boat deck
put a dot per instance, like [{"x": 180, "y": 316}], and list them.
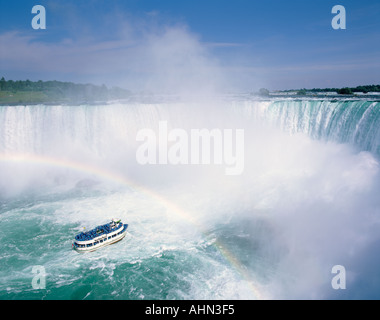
[{"x": 98, "y": 231}]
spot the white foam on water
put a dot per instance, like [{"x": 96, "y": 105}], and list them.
[{"x": 301, "y": 206}]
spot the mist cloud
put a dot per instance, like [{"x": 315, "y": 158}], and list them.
[{"x": 142, "y": 55}]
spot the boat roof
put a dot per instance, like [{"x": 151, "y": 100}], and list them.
[{"x": 99, "y": 230}]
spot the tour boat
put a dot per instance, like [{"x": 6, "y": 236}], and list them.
[{"x": 100, "y": 236}]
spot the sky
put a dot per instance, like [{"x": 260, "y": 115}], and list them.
[{"x": 192, "y": 45}]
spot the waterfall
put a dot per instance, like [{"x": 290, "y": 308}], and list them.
[
  {"x": 300, "y": 207},
  {"x": 101, "y": 129},
  {"x": 354, "y": 122}
]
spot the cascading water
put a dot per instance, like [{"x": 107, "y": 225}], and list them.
[
  {"x": 306, "y": 201},
  {"x": 345, "y": 121},
  {"x": 36, "y": 128}
]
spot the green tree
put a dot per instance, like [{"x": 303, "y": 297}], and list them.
[
  {"x": 345, "y": 91},
  {"x": 264, "y": 92},
  {"x": 3, "y": 84}
]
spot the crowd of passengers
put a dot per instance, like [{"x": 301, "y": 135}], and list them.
[{"x": 86, "y": 236}]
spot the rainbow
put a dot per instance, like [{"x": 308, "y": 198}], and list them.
[{"x": 18, "y": 158}]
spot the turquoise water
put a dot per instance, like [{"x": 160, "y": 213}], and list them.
[
  {"x": 154, "y": 260},
  {"x": 307, "y": 200},
  {"x": 345, "y": 121}
]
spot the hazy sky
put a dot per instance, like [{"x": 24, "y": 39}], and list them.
[{"x": 192, "y": 44}]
